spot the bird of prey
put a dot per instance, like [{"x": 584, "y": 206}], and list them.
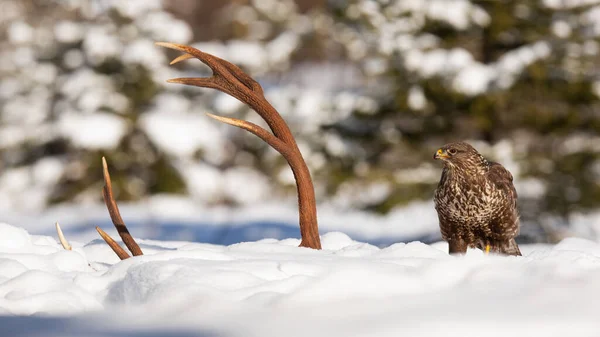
[{"x": 476, "y": 202}]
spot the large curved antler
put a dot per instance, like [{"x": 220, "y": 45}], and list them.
[{"x": 230, "y": 79}]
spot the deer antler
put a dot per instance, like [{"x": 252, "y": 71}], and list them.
[
  {"x": 117, "y": 220},
  {"x": 230, "y": 79},
  {"x": 62, "y": 239}
]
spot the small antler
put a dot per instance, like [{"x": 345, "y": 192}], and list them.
[
  {"x": 230, "y": 79},
  {"x": 117, "y": 220},
  {"x": 62, "y": 239}
]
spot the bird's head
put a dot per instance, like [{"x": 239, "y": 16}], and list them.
[{"x": 458, "y": 154}]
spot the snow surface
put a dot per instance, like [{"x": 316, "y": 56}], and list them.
[
  {"x": 167, "y": 217},
  {"x": 273, "y": 288}
]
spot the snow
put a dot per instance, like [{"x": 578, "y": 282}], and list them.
[
  {"x": 83, "y": 80},
  {"x": 248, "y": 54},
  {"x": 44, "y": 73},
  {"x": 569, "y": 3},
  {"x": 471, "y": 77},
  {"x": 273, "y": 288},
  {"x": 416, "y": 98},
  {"x": 454, "y": 12},
  {"x": 183, "y": 134},
  {"x": 256, "y": 186},
  {"x": 204, "y": 181},
  {"x": 280, "y": 48},
  {"x": 179, "y": 218},
  {"x": 162, "y": 26},
  {"x": 227, "y": 105},
  {"x": 73, "y": 59},
  {"x": 134, "y": 9},
  {"x": 561, "y": 29},
  {"x": 591, "y": 17},
  {"x": 223, "y": 270},
  {"x": 23, "y": 57},
  {"x": 143, "y": 52},
  {"x": 68, "y": 31},
  {"x": 29, "y": 186},
  {"x": 473, "y": 80},
  {"x": 20, "y": 32},
  {"x": 93, "y": 131},
  {"x": 100, "y": 44}
]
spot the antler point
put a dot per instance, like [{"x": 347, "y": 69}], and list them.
[
  {"x": 163, "y": 44},
  {"x": 61, "y": 238},
  {"x": 181, "y": 57},
  {"x": 105, "y": 171},
  {"x": 226, "y": 120}
]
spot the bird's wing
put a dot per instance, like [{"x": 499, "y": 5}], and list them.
[{"x": 503, "y": 180}]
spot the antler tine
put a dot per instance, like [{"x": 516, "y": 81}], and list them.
[
  {"x": 204, "y": 82},
  {"x": 231, "y": 80},
  {"x": 62, "y": 239},
  {"x": 284, "y": 149},
  {"x": 220, "y": 67},
  {"x": 261, "y": 133},
  {"x": 115, "y": 215},
  {"x": 121, "y": 253},
  {"x": 180, "y": 58}
]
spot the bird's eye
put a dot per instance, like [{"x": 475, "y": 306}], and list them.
[{"x": 452, "y": 151}]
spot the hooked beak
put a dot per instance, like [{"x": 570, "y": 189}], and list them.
[{"x": 441, "y": 154}]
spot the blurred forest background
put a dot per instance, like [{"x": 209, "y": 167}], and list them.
[{"x": 371, "y": 88}]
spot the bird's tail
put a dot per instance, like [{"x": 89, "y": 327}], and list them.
[{"x": 510, "y": 247}]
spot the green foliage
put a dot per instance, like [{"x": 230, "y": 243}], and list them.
[
  {"x": 544, "y": 105},
  {"x": 503, "y": 72}
]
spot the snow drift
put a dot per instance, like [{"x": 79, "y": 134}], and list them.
[{"x": 273, "y": 288}]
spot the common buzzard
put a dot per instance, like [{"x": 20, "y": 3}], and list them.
[{"x": 476, "y": 202}]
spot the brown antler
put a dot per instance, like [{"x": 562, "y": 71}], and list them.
[
  {"x": 121, "y": 253},
  {"x": 117, "y": 220},
  {"x": 230, "y": 79}
]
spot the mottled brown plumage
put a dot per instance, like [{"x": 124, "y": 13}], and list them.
[{"x": 476, "y": 202}]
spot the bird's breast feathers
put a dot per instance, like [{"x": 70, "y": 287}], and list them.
[{"x": 468, "y": 198}]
